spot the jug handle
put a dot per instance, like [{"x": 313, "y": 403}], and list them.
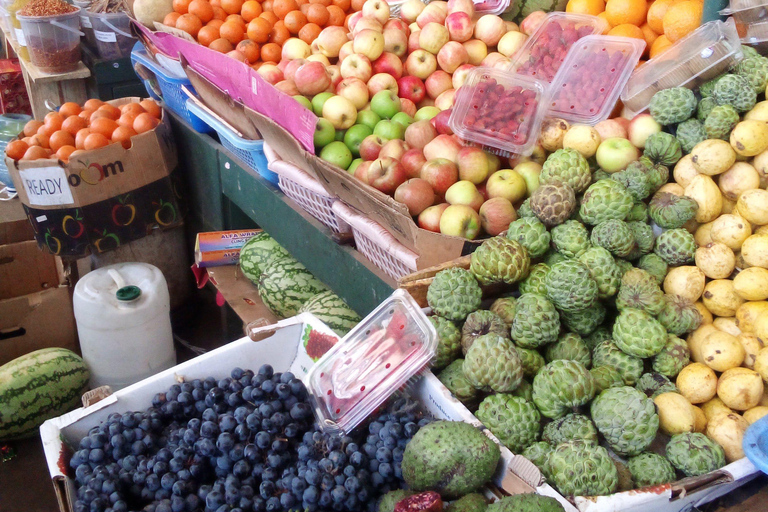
[
  {"x": 104, "y": 21},
  {"x": 66, "y": 27},
  {"x": 115, "y": 275}
]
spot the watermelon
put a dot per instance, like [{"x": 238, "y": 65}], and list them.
[
  {"x": 257, "y": 252},
  {"x": 285, "y": 285},
  {"x": 332, "y": 311},
  {"x": 39, "y": 386},
  {"x": 519, "y": 10}
]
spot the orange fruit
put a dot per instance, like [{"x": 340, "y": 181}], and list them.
[
  {"x": 99, "y": 114},
  {"x": 215, "y": 23},
  {"x": 95, "y": 141},
  {"x": 181, "y": 6},
  {"x": 86, "y": 114},
  {"x": 219, "y": 13},
  {"x": 232, "y": 6},
  {"x": 69, "y": 108},
  {"x": 232, "y": 32},
  {"x": 269, "y": 16},
  {"x": 65, "y": 152},
  {"x": 650, "y": 36},
  {"x": 221, "y": 45},
  {"x": 236, "y": 18},
  {"x": 202, "y": 9},
  {"x": 249, "y": 49},
  {"x": 31, "y": 127},
  {"x": 144, "y": 123},
  {"x": 132, "y": 108},
  {"x": 80, "y": 138},
  {"x": 294, "y": 21},
  {"x": 61, "y": 138},
  {"x": 127, "y": 119},
  {"x": 207, "y": 35},
  {"x": 309, "y": 32},
  {"x": 627, "y": 30},
  {"x": 111, "y": 111},
  {"x": 35, "y": 153},
  {"x": 16, "y": 149},
  {"x": 593, "y": 7},
  {"x": 620, "y": 12},
  {"x": 74, "y": 124},
  {"x": 604, "y": 17},
  {"x": 250, "y": 10},
  {"x": 259, "y": 29},
  {"x": 681, "y": 19},
  {"x": 104, "y": 126},
  {"x": 344, "y": 5},
  {"x": 266, "y": 5},
  {"x": 357, "y": 5},
  {"x": 123, "y": 134},
  {"x": 281, "y": 8},
  {"x": 53, "y": 120},
  {"x": 40, "y": 140},
  {"x": 656, "y": 12},
  {"x": 46, "y": 130},
  {"x": 189, "y": 23},
  {"x": 659, "y": 45},
  {"x": 271, "y": 52},
  {"x": 318, "y": 14},
  {"x": 170, "y": 19},
  {"x": 322, "y": 2},
  {"x": 152, "y": 108},
  {"x": 279, "y": 33},
  {"x": 336, "y": 16}
]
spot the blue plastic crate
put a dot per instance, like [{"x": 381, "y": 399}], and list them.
[
  {"x": 250, "y": 152},
  {"x": 166, "y": 88},
  {"x": 756, "y": 444}
]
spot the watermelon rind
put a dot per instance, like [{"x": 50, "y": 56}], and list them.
[
  {"x": 332, "y": 311},
  {"x": 39, "y": 386},
  {"x": 285, "y": 285},
  {"x": 258, "y": 252}
]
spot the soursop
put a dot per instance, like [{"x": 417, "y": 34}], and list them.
[
  {"x": 679, "y": 315},
  {"x": 672, "y": 106},
  {"x": 676, "y": 247},
  {"x": 561, "y": 385},
  {"x": 584, "y": 321},
  {"x": 531, "y": 233},
  {"x": 499, "y": 260},
  {"x": 673, "y": 357},
  {"x": 663, "y": 148},
  {"x": 720, "y": 121},
  {"x": 626, "y": 418},
  {"x": 569, "y": 428},
  {"x": 453, "y": 378},
  {"x": 606, "y": 377},
  {"x": 480, "y": 323},
  {"x": 603, "y": 269},
  {"x": 534, "y": 283},
  {"x": 566, "y": 166},
  {"x": 448, "y": 342},
  {"x": 570, "y": 347},
  {"x": 650, "y": 469},
  {"x": 605, "y": 200},
  {"x": 606, "y": 353},
  {"x": 536, "y": 322},
  {"x": 640, "y": 290},
  {"x": 654, "y": 265},
  {"x": 671, "y": 211},
  {"x": 570, "y": 238},
  {"x": 653, "y": 384},
  {"x": 615, "y": 236},
  {"x": 512, "y": 419},
  {"x": 492, "y": 364},
  {"x": 454, "y": 293},
  {"x": 689, "y": 133},
  {"x": 581, "y": 468},
  {"x": 553, "y": 203},
  {"x": 736, "y": 91},
  {"x": 505, "y": 307},
  {"x": 695, "y": 454},
  {"x": 639, "y": 334}
]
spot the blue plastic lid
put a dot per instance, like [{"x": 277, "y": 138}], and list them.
[{"x": 755, "y": 444}]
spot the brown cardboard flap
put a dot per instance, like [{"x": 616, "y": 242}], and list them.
[
  {"x": 25, "y": 269},
  {"x": 14, "y": 226},
  {"x": 241, "y": 294}
]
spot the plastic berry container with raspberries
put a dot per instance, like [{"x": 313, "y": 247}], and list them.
[
  {"x": 592, "y": 76},
  {"x": 545, "y": 50},
  {"x": 499, "y": 110},
  {"x": 491, "y": 6}
]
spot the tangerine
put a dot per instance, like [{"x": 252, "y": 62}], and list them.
[
  {"x": 279, "y": 33},
  {"x": 69, "y": 108},
  {"x": 112, "y": 111},
  {"x": 31, "y": 127},
  {"x": 170, "y": 19},
  {"x": 80, "y": 138},
  {"x": 336, "y": 16},
  {"x": 237, "y": 19},
  {"x": 650, "y": 36},
  {"x": 189, "y": 23},
  {"x": 593, "y": 7},
  {"x": 35, "y": 153},
  {"x": 357, "y": 5},
  {"x": 318, "y": 13},
  {"x": 61, "y": 138},
  {"x": 620, "y": 12},
  {"x": 152, "y": 108},
  {"x": 267, "y": 6},
  {"x": 271, "y": 52},
  {"x": 656, "y": 12},
  {"x": 65, "y": 152},
  {"x": 104, "y": 126},
  {"x": 309, "y": 32},
  {"x": 92, "y": 104},
  {"x": 221, "y": 45},
  {"x": 249, "y": 49},
  {"x": 219, "y": 13},
  {"x": 144, "y": 123},
  {"x": 259, "y": 29},
  {"x": 294, "y": 21},
  {"x": 269, "y": 16},
  {"x": 215, "y": 23},
  {"x": 322, "y": 2},
  {"x": 74, "y": 124},
  {"x": 16, "y": 149},
  {"x": 681, "y": 19},
  {"x": 344, "y": 5},
  {"x": 86, "y": 114},
  {"x": 40, "y": 139},
  {"x": 627, "y": 30},
  {"x": 181, "y": 6},
  {"x": 132, "y": 108},
  {"x": 95, "y": 141},
  {"x": 202, "y": 9},
  {"x": 251, "y": 10},
  {"x": 207, "y": 35},
  {"x": 281, "y": 8},
  {"x": 127, "y": 119},
  {"x": 659, "y": 45},
  {"x": 232, "y": 32},
  {"x": 603, "y": 16},
  {"x": 123, "y": 134},
  {"x": 53, "y": 120},
  {"x": 100, "y": 114},
  {"x": 46, "y": 130},
  {"x": 232, "y": 6}
]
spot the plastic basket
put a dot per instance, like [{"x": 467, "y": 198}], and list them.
[
  {"x": 250, "y": 152},
  {"x": 161, "y": 85},
  {"x": 376, "y": 244}
]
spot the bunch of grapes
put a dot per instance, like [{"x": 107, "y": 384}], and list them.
[{"x": 247, "y": 443}]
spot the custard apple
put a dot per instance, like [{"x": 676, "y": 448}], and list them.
[
  {"x": 553, "y": 203},
  {"x": 525, "y": 389},
  {"x": 553, "y": 257},
  {"x": 658, "y": 174},
  {"x": 448, "y": 342},
  {"x": 569, "y": 428},
  {"x": 473, "y": 502},
  {"x": 584, "y": 321},
  {"x": 653, "y": 384},
  {"x": 749, "y": 52},
  {"x": 524, "y": 210},
  {"x": 639, "y": 334},
  {"x": 676, "y": 247},
  {"x": 755, "y": 70},
  {"x": 389, "y": 500},
  {"x": 644, "y": 236},
  {"x": 635, "y": 180},
  {"x": 600, "y": 174},
  {"x": 492, "y": 364},
  {"x": 720, "y": 121},
  {"x": 650, "y": 469},
  {"x": 536, "y": 322},
  {"x": 689, "y": 133},
  {"x": 454, "y": 293},
  {"x": 531, "y": 360},
  {"x": 570, "y": 238},
  {"x": 706, "y": 89},
  {"x": 624, "y": 265},
  {"x": 606, "y": 353},
  {"x": 480, "y": 323},
  {"x": 672, "y": 106},
  {"x": 529, "y": 502},
  {"x": 570, "y": 347},
  {"x": 534, "y": 283},
  {"x": 626, "y": 418},
  {"x": 605, "y": 200},
  {"x": 654, "y": 265},
  {"x": 695, "y": 454},
  {"x": 582, "y": 468},
  {"x": 600, "y": 334},
  {"x": 671, "y": 211},
  {"x": 673, "y": 357},
  {"x": 566, "y": 166},
  {"x": 638, "y": 213},
  {"x": 705, "y": 107},
  {"x": 453, "y": 378},
  {"x": 513, "y": 420},
  {"x": 736, "y": 91},
  {"x": 615, "y": 236},
  {"x": 663, "y": 148},
  {"x": 606, "y": 377},
  {"x": 499, "y": 260},
  {"x": 561, "y": 385},
  {"x": 679, "y": 315},
  {"x": 505, "y": 307},
  {"x": 603, "y": 269},
  {"x": 531, "y": 233},
  {"x": 538, "y": 453},
  {"x": 570, "y": 286},
  {"x": 640, "y": 290}
]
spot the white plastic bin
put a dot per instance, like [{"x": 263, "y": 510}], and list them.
[{"x": 53, "y": 42}]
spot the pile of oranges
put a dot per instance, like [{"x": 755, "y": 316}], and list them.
[
  {"x": 75, "y": 129},
  {"x": 255, "y": 30},
  {"x": 660, "y": 23}
]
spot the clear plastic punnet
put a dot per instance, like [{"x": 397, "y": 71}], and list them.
[
  {"x": 374, "y": 360},
  {"x": 592, "y": 77},
  {"x": 757, "y": 37},
  {"x": 499, "y": 110},
  {"x": 492, "y": 6},
  {"x": 746, "y": 13},
  {"x": 699, "y": 57},
  {"x": 545, "y": 50}
]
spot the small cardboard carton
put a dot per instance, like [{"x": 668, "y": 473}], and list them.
[
  {"x": 103, "y": 198},
  {"x": 24, "y": 269}
]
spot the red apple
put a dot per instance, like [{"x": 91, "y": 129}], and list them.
[
  {"x": 335, "y": 73},
  {"x": 312, "y": 78},
  {"x": 407, "y": 106},
  {"x": 420, "y": 64},
  {"x": 443, "y": 146},
  {"x": 465, "y": 6},
  {"x": 438, "y": 82},
  {"x": 357, "y": 66},
  {"x": 451, "y": 56},
  {"x": 413, "y": 160},
  {"x": 432, "y": 13},
  {"x": 283, "y": 64},
  {"x": 531, "y": 22},
  {"x": 429, "y": 219},
  {"x": 386, "y": 174},
  {"x": 496, "y": 215},
  {"x": 460, "y": 75},
  {"x": 397, "y": 24},
  {"x": 288, "y": 87},
  {"x": 388, "y": 63},
  {"x": 290, "y": 69},
  {"x": 440, "y": 122},
  {"x": 460, "y": 27},
  {"x": 611, "y": 128},
  {"x": 440, "y": 173},
  {"x": 271, "y": 73},
  {"x": 352, "y": 20},
  {"x": 419, "y": 134},
  {"x": 489, "y": 29},
  {"x": 361, "y": 172},
  {"x": 460, "y": 220},
  {"x": 412, "y": 88},
  {"x": 381, "y": 82},
  {"x": 476, "y": 50},
  {"x": 416, "y": 194},
  {"x": 394, "y": 148},
  {"x": 330, "y": 40},
  {"x": 371, "y": 146},
  {"x": 413, "y": 42},
  {"x": 355, "y": 90},
  {"x": 623, "y": 121},
  {"x": 445, "y": 100},
  {"x": 395, "y": 41},
  {"x": 366, "y": 24}
]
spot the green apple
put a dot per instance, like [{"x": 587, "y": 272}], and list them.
[
  {"x": 324, "y": 133},
  {"x": 304, "y": 101},
  {"x": 319, "y": 100},
  {"x": 368, "y": 118},
  {"x": 337, "y": 154},
  {"x": 385, "y": 103},
  {"x": 403, "y": 119},
  {"x": 426, "y": 113},
  {"x": 340, "y": 135},
  {"x": 389, "y": 130},
  {"x": 355, "y": 136},
  {"x": 530, "y": 172},
  {"x": 353, "y": 166}
]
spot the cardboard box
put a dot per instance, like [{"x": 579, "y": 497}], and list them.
[
  {"x": 25, "y": 269},
  {"x": 38, "y": 320},
  {"x": 241, "y": 295},
  {"x": 103, "y": 198},
  {"x": 14, "y": 225}
]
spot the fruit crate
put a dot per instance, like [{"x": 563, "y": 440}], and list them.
[
  {"x": 376, "y": 244},
  {"x": 164, "y": 86},
  {"x": 544, "y": 52},
  {"x": 306, "y": 191},
  {"x": 705, "y": 53},
  {"x": 592, "y": 76},
  {"x": 250, "y": 152}
]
